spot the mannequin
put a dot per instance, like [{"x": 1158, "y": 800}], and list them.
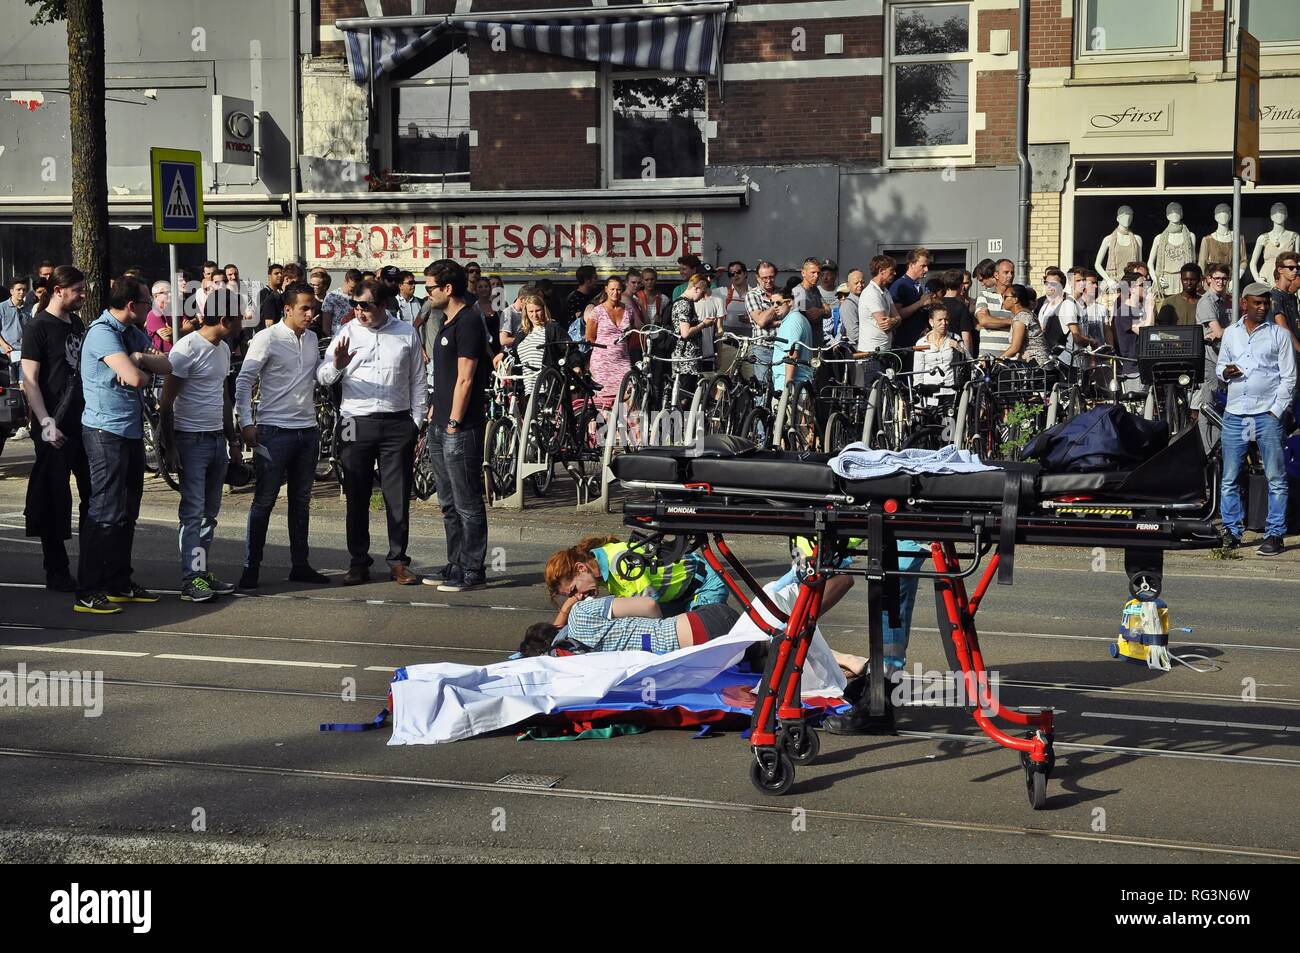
[
  {"x": 1118, "y": 248},
  {"x": 1217, "y": 246},
  {"x": 1271, "y": 244},
  {"x": 1171, "y": 249}
]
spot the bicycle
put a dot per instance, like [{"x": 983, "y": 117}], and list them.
[
  {"x": 1007, "y": 403},
  {"x": 501, "y": 436},
  {"x": 566, "y": 420}
]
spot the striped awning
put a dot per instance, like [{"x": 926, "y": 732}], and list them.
[{"x": 689, "y": 44}]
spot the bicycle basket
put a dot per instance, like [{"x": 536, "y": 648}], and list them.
[{"x": 1023, "y": 379}]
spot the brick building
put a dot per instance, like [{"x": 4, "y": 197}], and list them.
[
  {"x": 840, "y": 128},
  {"x": 1133, "y": 105}
]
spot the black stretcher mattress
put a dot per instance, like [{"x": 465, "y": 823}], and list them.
[{"x": 1176, "y": 474}]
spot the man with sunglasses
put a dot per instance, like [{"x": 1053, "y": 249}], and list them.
[
  {"x": 378, "y": 359},
  {"x": 116, "y": 364},
  {"x": 1214, "y": 315},
  {"x": 1283, "y": 308}
]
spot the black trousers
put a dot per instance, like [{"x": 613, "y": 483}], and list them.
[
  {"x": 388, "y": 438},
  {"x": 49, "y": 497}
]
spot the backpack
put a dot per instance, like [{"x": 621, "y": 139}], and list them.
[{"x": 1104, "y": 438}]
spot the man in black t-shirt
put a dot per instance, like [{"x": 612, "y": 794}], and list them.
[
  {"x": 52, "y": 385},
  {"x": 456, "y": 419},
  {"x": 270, "y": 300}
]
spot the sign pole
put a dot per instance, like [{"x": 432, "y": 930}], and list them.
[
  {"x": 177, "y": 290},
  {"x": 1245, "y": 145}
]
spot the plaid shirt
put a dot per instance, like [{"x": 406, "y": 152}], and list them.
[
  {"x": 591, "y": 624},
  {"x": 757, "y": 300}
]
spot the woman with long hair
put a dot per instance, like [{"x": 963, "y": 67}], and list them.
[
  {"x": 596, "y": 563},
  {"x": 607, "y": 319},
  {"x": 536, "y": 333}
]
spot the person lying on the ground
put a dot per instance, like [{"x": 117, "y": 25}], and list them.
[
  {"x": 627, "y": 624},
  {"x": 584, "y": 568}
]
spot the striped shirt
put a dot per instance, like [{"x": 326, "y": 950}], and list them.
[
  {"x": 992, "y": 342},
  {"x": 591, "y": 622}
]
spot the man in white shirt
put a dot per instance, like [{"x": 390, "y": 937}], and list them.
[
  {"x": 199, "y": 436},
  {"x": 877, "y": 317},
  {"x": 380, "y": 363},
  {"x": 1084, "y": 319},
  {"x": 282, "y": 360}
]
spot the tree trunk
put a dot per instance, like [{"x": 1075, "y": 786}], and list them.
[{"x": 89, "y": 150}]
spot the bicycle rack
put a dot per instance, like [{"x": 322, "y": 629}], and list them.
[{"x": 601, "y": 503}]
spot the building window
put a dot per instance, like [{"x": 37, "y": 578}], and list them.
[
  {"x": 428, "y": 117},
  {"x": 657, "y": 129},
  {"x": 1125, "y": 28},
  {"x": 1271, "y": 22},
  {"x": 931, "y": 81}
]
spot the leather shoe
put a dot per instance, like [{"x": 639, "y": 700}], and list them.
[
  {"x": 307, "y": 574},
  {"x": 61, "y": 582},
  {"x": 403, "y": 576},
  {"x": 859, "y": 721},
  {"x": 356, "y": 576}
]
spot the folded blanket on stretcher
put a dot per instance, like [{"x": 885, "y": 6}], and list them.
[{"x": 856, "y": 462}]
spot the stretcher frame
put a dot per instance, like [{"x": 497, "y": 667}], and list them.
[{"x": 959, "y": 534}]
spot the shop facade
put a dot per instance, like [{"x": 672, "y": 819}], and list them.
[{"x": 1145, "y": 124}]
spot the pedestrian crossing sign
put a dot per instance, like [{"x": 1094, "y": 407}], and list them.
[{"x": 177, "y": 197}]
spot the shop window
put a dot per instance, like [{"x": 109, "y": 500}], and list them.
[
  {"x": 1122, "y": 27},
  {"x": 1271, "y": 21},
  {"x": 428, "y": 116},
  {"x": 1121, "y": 174},
  {"x": 1192, "y": 173},
  {"x": 658, "y": 128},
  {"x": 941, "y": 259},
  {"x": 1279, "y": 170},
  {"x": 930, "y": 80}
]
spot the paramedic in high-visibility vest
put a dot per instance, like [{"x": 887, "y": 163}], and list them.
[{"x": 582, "y": 570}]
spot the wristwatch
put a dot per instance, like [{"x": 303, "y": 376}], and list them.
[{"x": 453, "y": 423}]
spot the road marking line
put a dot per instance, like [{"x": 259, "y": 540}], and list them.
[
  {"x": 252, "y": 661},
  {"x": 379, "y": 668},
  {"x": 1198, "y": 722},
  {"x": 50, "y": 648}
]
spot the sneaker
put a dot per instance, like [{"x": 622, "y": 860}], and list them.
[
  {"x": 1272, "y": 546},
  {"x": 136, "y": 593},
  {"x": 96, "y": 603},
  {"x": 248, "y": 579},
  {"x": 307, "y": 574},
  {"x": 197, "y": 590},
  {"x": 459, "y": 585},
  {"x": 217, "y": 585}
]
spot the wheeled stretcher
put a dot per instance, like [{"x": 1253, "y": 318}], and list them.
[{"x": 689, "y": 500}]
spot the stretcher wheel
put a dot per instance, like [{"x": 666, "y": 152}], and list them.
[
  {"x": 772, "y": 772},
  {"x": 1036, "y": 785},
  {"x": 1050, "y": 763},
  {"x": 803, "y": 744}
]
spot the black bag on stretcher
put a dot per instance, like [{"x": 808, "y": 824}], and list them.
[{"x": 1104, "y": 438}]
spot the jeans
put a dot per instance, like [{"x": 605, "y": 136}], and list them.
[
  {"x": 1268, "y": 437},
  {"x": 293, "y": 454},
  {"x": 108, "y": 534},
  {"x": 204, "y": 459},
  {"x": 457, "y": 460},
  {"x": 388, "y": 438},
  {"x": 1209, "y": 389},
  {"x": 762, "y": 364}
]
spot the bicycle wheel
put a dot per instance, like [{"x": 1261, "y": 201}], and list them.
[
  {"x": 327, "y": 424},
  {"x": 757, "y": 428},
  {"x": 171, "y": 477},
  {"x": 634, "y": 425},
  {"x": 1175, "y": 410},
  {"x": 840, "y": 432},
  {"x": 801, "y": 426},
  {"x": 150, "y": 441},
  {"x": 549, "y": 394},
  {"x": 880, "y": 428},
  {"x": 717, "y": 407},
  {"x": 500, "y": 446},
  {"x": 981, "y": 424},
  {"x": 423, "y": 484}
]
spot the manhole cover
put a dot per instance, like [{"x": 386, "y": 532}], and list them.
[{"x": 531, "y": 780}]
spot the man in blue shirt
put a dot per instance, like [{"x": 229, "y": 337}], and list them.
[
  {"x": 794, "y": 342},
  {"x": 116, "y": 364},
  {"x": 14, "y": 315},
  {"x": 1257, "y": 362}
]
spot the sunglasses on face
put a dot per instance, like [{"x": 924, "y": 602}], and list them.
[
  {"x": 363, "y": 305},
  {"x": 736, "y": 274}
]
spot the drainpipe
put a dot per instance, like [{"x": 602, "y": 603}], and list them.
[
  {"x": 295, "y": 144},
  {"x": 1022, "y": 146}
]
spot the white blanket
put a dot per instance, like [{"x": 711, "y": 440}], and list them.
[{"x": 444, "y": 701}]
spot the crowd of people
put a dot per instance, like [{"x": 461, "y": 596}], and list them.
[{"x": 397, "y": 363}]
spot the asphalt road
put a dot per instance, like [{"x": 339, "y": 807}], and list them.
[{"x": 211, "y": 712}]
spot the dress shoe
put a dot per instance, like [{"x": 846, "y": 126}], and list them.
[
  {"x": 307, "y": 574},
  {"x": 61, "y": 582},
  {"x": 356, "y": 576},
  {"x": 403, "y": 576},
  {"x": 248, "y": 579}
]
